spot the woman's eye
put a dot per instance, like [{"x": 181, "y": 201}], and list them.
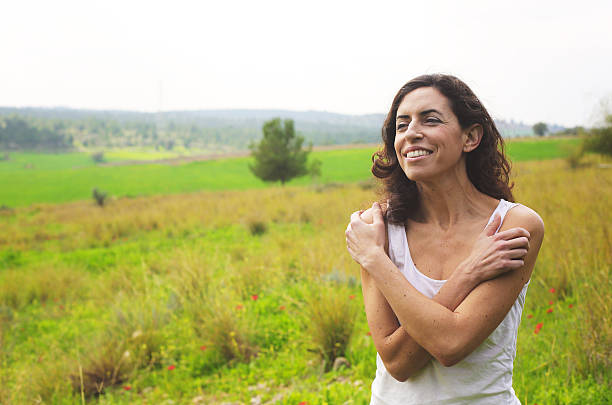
[
  {"x": 400, "y": 126},
  {"x": 432, "y": 120}
]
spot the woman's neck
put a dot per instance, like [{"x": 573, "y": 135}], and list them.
[{"x": 450, "y": 200}]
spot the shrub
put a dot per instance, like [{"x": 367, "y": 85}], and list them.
[
  {"x": 226, "y": 327},
  {"x": 132, "y": 341},
  {"x": 330, "y": 315},
  {"x": 600, "y": 139},
  {"x": 108, "y": 364},
  {"x": 214, "y": 317},
  {"x": 99, "y": 197},
  {"x": 574, "y": 154},
  {"x": 98, "y": 157},
  {"x": 257, "y": 228}
]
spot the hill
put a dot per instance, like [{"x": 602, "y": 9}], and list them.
[{"x": 218, "y": 130}]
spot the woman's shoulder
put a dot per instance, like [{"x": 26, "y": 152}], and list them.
[{"x": 522, "y": 216}]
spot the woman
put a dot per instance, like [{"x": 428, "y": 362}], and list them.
[{"x": 444, "y": 277}]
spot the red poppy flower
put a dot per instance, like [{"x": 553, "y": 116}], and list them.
[
  {"x": 61, "y": 307},
  {"x": 282, "y": 307},
  {"x": 570, "y": 306},
  {"x": 369, "y": 333},
  {"x": 352, "y": 296},
  {"x": 530, "y": 316},
  {"x": 552, "y": 290},
  {"x": 171, "y": 367},
  {"x": 538, "y": 327},
  {"x": 127, "y": 387},
  {"x": 304, "y": 403},
  {"x": 238, "y": 307},
  {"x": 254, "y": 297},
  {"x": 549, "y": 310},
  {"x": 550, "y": 302},
  {"x": 203, "y": 347}
]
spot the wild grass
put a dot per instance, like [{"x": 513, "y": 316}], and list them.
[
  {"x": 207, "y": 311},
  {"x": 330, "y": 322}
]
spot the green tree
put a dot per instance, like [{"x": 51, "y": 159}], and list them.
[
  {"x": 279, "y": 155},
  {"x": 600, "y": 139},
  {"x": 540, "y": 128}
]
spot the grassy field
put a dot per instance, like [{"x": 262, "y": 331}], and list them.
[
  {"x": 200, "y": 299},
  {"x": 46, "y": 178}
]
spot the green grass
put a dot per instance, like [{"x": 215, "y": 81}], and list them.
[
  {"x": 79, "y": 283},
  {"x": 539, "y": 149},
  {"x": 55, "y": 178}
]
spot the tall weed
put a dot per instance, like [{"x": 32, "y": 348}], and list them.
[{"x": 329, "y": 317}]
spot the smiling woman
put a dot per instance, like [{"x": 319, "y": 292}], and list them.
[{"x": 446, "y": 262}]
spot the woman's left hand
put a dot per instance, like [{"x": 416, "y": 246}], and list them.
[{"x": 365, "y": 241}]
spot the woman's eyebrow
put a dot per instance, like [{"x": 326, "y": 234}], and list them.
[{"x": 422, "y": 113}]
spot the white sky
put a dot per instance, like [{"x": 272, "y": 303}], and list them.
[{"x": 526, "y": 60}]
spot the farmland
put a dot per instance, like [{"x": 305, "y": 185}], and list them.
[{"x": 47, "y": 178}]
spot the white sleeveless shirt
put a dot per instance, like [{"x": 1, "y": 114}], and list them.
[{"x": 483, "y": 377}]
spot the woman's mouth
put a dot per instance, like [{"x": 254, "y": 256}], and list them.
[{"x": 417, "y": 154}]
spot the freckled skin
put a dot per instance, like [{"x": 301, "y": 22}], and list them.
[{"x": 467, "y": 308}]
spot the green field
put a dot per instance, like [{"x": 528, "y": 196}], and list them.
[
  {"x": 55, "y": 178},
  {"x": 199, "y": 299}
]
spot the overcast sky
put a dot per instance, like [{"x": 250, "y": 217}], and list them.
[{"x": 526, "y": 60}]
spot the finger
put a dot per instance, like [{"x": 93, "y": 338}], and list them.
[
  {"x": 518, "y": 243},
  {"x": 355, "y": 216},
  {"x": 493, "y": 225},
  {"x": 514, "y": 264},
  {"x": 513, "y": 233},
  {"x": 517, "y": 253},
  {"x": 377, "y": 214}
]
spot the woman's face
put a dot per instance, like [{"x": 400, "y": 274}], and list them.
[{"x": 428, "y": 138}]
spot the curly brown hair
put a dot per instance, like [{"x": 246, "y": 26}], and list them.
[{"x": 487, "y": 166}]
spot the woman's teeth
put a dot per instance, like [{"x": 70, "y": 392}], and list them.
[{"x": 417, "y": 153}]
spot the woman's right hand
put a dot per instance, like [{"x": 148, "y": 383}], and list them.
[{"x": 496, "y": 253}]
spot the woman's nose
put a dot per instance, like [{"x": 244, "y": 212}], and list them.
[{"x": 413, "y": 130}]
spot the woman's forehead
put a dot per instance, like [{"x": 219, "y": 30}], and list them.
[{"x": 422, "y": 99}]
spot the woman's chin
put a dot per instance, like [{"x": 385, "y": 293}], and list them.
[{"x": 417, "y": 175}]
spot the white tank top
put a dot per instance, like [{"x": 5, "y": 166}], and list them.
[{"x": 483, "y": 377}]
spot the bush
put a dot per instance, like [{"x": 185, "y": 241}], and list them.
[
  {"x": 330, "y": 316},
  {"x": 600, "y": 139},
  {"x": 110, "y": 364},
  {"x": 257, "y": 228},
  {"x": 98, "y": 157},
  {"x": 99, "y": 197},
  {"x": 574, "y": 154},
  {"x": 132, "y": 341},
  {"x": 226, "y": 328}
]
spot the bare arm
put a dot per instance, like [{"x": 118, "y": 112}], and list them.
[
  {"x": 451, "y": 335},
  {"x": 401, "y": 354}
]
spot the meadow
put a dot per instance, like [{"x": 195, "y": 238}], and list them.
[
  {"x": 45, "y": 178},
  {"x": 248, "y": 296}
]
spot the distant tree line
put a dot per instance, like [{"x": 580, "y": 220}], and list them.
[
  {"x": 19, "y": 133},
  {"x": 44, "y": 131}
]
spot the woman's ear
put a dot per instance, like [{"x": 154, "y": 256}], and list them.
[{"x": 472, "y": 137}]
